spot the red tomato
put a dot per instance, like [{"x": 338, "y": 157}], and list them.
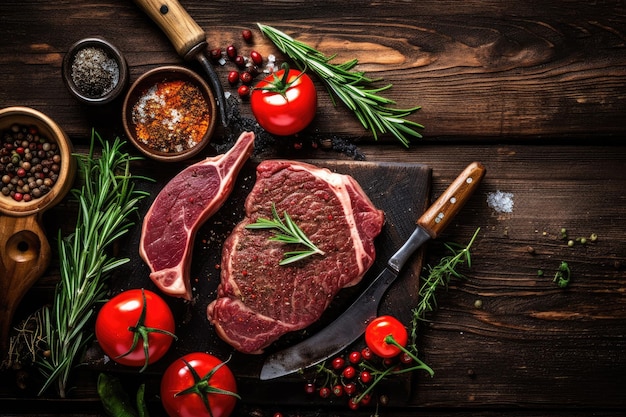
[
  {"x": 127, "y": 320},
  {"x": 198, "y": 385},
  {"x": 284, "y": 103},
  {"x": 378, "y": 330}
]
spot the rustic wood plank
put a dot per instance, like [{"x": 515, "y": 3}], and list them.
[{"x": 525, "y": 70}]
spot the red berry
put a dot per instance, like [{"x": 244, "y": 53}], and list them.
[
  {"x": 256, "y": 57},
  {"x": 349, "y": 372},
  {"x": 338, "y": 363},
  {"x": 350, "y": 388},
  {"x": 246, "y": 34},
  {"x": 233, "y": 77},
  {"x": 245, "y": 77},
  {"x": 366, "y": 353},
  {"x": 365, "y": 377},
  {"x": 366, "y": 399},
  {"x": 231, "y": 51},
  {"x": 338, "y": 390},
  {"x": 21, "y": 172},
  {"x": 405, "y": 358},
  {"x": 18, "y": 196},
  {"x": 240, "y": 61},
  {"x": 355, "y": 357},
  {"x": 309, "y": 388},
  {"x": 20, "y": 150},
  {"x": 215, "y": 54},
  {"x": 324, "y": 392},
  {"x": 243, "y": 91},
  {"x": 353, "y": 404}
]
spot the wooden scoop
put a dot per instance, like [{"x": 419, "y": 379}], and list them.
[{"x": 24, "y": 248}]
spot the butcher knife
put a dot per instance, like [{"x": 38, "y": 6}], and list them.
[
  {"x": 188, "y": 38},
  {"x": 351, "y": 324}
]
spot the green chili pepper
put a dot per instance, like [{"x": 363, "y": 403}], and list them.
[{"x": 114, "y": 399}]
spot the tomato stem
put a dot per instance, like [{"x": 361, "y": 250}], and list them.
[
  {"x": 203, "y": 387},
  {"x": 282, "y": 84},
  {"x": 139, "y": 330},
  {"x": 391, "y": 341}
]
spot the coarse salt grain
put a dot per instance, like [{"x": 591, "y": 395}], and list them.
[{"x": 500, "y": 201}]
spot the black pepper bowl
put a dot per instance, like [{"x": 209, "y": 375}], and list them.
[
  {"x": 136, "y": 96},
  {"x": 46, "y": 127},
  {"x": 92, "y": 84}
]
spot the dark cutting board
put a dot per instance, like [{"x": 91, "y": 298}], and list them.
[{"x": 401, "y": 190}]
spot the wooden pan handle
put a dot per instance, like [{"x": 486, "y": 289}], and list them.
[
  {"x": 443, "y": 210},
  {"x": 176, "y": 23},
  {"x": 24, "y": 256}
]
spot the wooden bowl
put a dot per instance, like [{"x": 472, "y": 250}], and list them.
[
  {"x": 24, "y": 249},
  {"x": 140, "y": 88},
  {"x": 112, "y": 52}
]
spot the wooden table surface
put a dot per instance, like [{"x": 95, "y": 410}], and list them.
[{"x": 535, "y": 90}]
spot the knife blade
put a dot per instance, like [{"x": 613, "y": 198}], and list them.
[
  {"x": 189, "y": 40},
  {"x": 351, "y": 324}
]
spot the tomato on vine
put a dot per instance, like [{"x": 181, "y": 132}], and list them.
[
  {"x": 198, "y": 385},
  {"x": 385, "y": 336},
  {"x": 130, "y": 316},
  {"x": 285, "y": 102}
]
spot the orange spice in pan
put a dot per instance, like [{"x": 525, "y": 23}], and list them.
[{"x": 171, "y": 116}]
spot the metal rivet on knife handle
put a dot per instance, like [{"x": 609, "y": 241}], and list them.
[
  {"x": 443, "y": 210},
  {"x": 187, "y": 37}
]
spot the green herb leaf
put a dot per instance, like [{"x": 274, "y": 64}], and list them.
[
  {"x": 106, "y": 201},
  {"x": 289, "y": 232},
  {"x": 352, "y": 87}
]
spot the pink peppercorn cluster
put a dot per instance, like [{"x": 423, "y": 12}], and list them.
[
  {"x": 248, "y": 66},
  {"x": 29, "y": 163}
]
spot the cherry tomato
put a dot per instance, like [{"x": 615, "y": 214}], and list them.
[
  {"x": 135, "y": 328},
  {"x": 348, "y": 372},
  {"x": 285, "y": 102},
  {"x": 355, "y": 357},
  {"x": 198, "y": 385},
  {"x": 338, "y": 363},
  {"x": 378, "y": 330}
]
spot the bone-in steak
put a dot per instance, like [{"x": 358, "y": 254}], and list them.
[
  {"x": 260, "y": 300},
  {"x": 186, "y": 202}
]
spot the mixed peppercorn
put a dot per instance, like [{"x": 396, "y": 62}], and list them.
[{"x": 30, "y": 163}]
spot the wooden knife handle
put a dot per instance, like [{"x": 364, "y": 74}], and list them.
[
  {"x": 178, "y": 25},
  {"x": 442, "y": 211}
]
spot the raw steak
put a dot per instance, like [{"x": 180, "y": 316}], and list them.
[
  {"x": 186, "y": 202},
  {"x": 259, "y": 300}
]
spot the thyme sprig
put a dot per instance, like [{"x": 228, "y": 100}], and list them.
[
  {"x": 439, "y": 276},
  {"x": 353, "y": 88},
  {"x": 106, "y": 201},
  {"x": 289, "y": 232}
]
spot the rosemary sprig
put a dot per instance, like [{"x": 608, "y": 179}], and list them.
[
  {"x": 440, "y": 276},
  {"x": 289, "y": 233},
  {"x": 352, "y": 87},
  {"x": 106, "y": 200}
]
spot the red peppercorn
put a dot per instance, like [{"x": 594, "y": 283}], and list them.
[
  {"x": 355, "y": 357},
  {"x": 20, "y": 150},
  {"x": 21, "y": 172},
  {"x": 366, "y": 353},
  {"x": 215, "y": 54},
  {"x": 256, "y": 57},
  {"x": 365, "y": 377},
  {"x": 324, "y": 392},
  {"x": 349, "y": 372},
  {"x": 240, "y": 61},
  {"x": 246, "y": 34},
  {"x": 338, "y": 363},
  {"x": 349, "y": 388},
  {"x": 243, "y": 91},
  {"x": 231, "y": 51},
  {"x": 233, "y": 77},
  {"x": 309, "y": 388},
  {"x": 245, "y": 77},
  {"x": 18, "y": 196}
]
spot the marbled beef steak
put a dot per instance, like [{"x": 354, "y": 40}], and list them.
[
  {"x": 181, "y": 207},
  {"x": 260, "y": 300}
]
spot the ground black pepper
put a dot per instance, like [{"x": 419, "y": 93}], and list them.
[
  {"x": 29, "y": 163},
  {"x": 94, "y": 72}
]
